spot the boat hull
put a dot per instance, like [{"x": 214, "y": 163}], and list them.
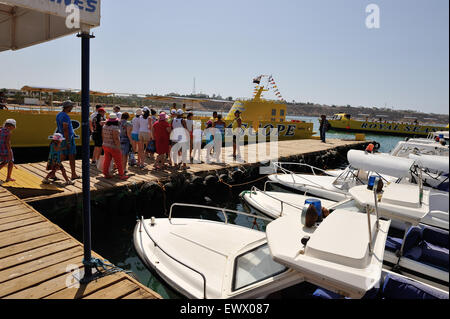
[
  {"x": 399, "y": 129},
  {"x": 34, "y": 128}
]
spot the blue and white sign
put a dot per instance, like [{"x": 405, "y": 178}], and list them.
[{"x": 38, "y": 21}]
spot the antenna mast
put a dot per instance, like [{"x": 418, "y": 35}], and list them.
[{"x": 193, "y": 90}]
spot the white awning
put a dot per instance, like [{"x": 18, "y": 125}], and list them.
[{"x": 24, "y": 23}]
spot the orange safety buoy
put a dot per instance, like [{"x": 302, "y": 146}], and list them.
[{"x": 369, "y": 148}]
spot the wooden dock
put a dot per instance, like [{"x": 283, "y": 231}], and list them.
[
  {"x": 36, "y": 258},
  {"x": 286, "y": 149}
]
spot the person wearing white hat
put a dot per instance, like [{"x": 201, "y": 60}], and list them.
[
  {"x": 135, "y": 136},
  {"x": 111, "y": 147},
  {"x": 54, "y": 160},
  {"x": 6, "y": 153},
  {"x": 145, "y": 134},
  {"x": 180, "y": 135}
]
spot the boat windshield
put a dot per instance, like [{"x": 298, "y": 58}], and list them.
[{"x": 255, "y": 266}]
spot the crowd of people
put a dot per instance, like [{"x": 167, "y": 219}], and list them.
[
  {"x": 167, "y": 140},
  {"x": 150, "y": 136}
]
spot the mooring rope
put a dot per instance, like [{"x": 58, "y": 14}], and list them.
[
  {"x": 242, "y": 184},
  {"x": 164, "y": 196},
  {"x": 103, "y": 268}
]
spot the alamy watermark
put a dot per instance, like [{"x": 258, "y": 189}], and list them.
[
  {"x": 225, "y": 147},
  {"x": 373, "y": 19},
  {"x": 73, "y": 17}
]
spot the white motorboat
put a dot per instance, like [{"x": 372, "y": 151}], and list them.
[
  {"x": 207, "y": 259},
  {"x": 277, "y": 204},
  {"x": 435, "y": 170},
  {"x": 425, "y": 146},
  {"x": 403, "y": 204},
  {"x": 362, "y": 166},
  {"x": 211, "y": 259},
  {"x": 418, "y": 252}
]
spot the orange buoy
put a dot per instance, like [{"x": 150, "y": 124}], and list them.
[{"x": 369, "y": 148}]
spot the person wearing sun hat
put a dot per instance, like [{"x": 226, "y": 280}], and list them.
[
  {"x": 64, "y": 127},
  {"x": 111, "y": 147},
  {"x": 161, "y": 134},
  {"x": 145, "y": 134},
  {"x": 54, "y": 159},
  {"x": 6, "y": 153},
  {"x": 97, "y": 125},
  {"x": 179, "y": 135},
  {"x": 173, "y": 115},
  {"x": 135, "y": 136}
]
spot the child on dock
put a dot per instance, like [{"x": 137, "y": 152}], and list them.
[
  {"x": 6, "y": 153},
  {"x": 54, "y": 160}
]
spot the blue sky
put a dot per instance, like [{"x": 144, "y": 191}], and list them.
[{"x": 318, "y": 51}]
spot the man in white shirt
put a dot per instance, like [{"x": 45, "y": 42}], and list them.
[{"x": 116, "y": 110}]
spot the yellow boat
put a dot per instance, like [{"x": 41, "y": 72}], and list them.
[
  {"x": 344, "y": 122},
  {"x": 259, "y": 113},
  {"x": 35, "y": 126}
]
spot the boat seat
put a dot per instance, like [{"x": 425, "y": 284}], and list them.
[
  {"x": 396, "y": 287},
  {"x": 321, "y": 293},
  {"x": 393, "y": 243},
  {"x": 428, "y": 245},
  {"x": 436, "y": 236}
]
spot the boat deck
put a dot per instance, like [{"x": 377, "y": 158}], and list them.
[
  {"x": 36, "y": 258},
  {"x": 286, "y": 149}
]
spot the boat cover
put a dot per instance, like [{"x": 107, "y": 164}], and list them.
[
  {"x": 433, "y": 162},
  {"x": 381, "y": 163}
]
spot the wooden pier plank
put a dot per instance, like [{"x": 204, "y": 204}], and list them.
[
  {"x": 36, "y": 258},
  {"x": 116, "y": 291},
  {"x": 21, "y": 223},
  {"x": 45, "y": 288},
  {"x": 32, "y": 244},
  {"x": 30, "y": 280},
  {"x": 85, "y": 290},
  {"x": 41, "y": 263},
  {"x": 37, "y": 253}
]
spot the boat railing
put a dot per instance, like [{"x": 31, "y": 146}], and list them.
[
  {"x": 223, "y": 210},
  {"x": 282, "y": 203},
  {"x": 278, "y": 165},
  {"x": 375, "y": 195},
  {"x": 170, "y": 256},
  {"x": 268, "y": 182}
]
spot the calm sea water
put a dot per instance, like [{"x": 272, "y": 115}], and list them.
[
  {"x": 387, "y": 142},
  {"x": 112, "y": 235}
]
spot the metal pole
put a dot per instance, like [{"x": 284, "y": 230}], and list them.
[{"x": 85, "y": 68}]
